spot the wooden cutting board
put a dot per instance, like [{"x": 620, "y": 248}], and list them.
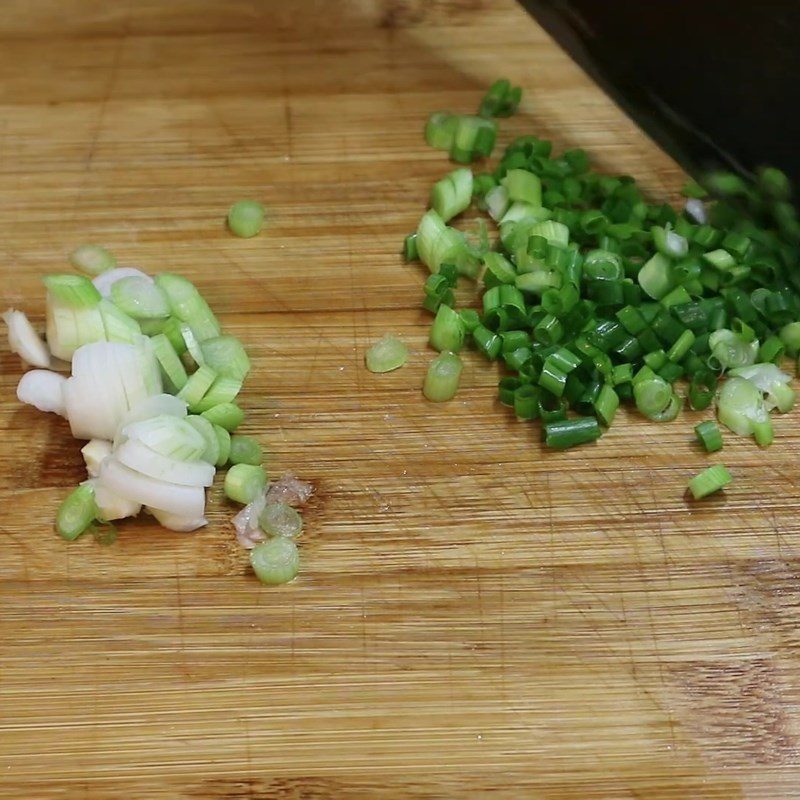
[{"x": 475, "y": 617}]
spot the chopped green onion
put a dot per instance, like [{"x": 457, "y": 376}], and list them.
[
  {"x": 188, "y": 305},
  {"x": 223, "y": 444},
  {"x": 769, "y": 380},
  {"x": 523, "y": 186},
  {"x": 226, "y": 356},
  {"x": 561, "y": 434},
  {"x": 74, "y": 291},
  {"x": 77, "y": 512},
  {"x": 275, "y": 561},
  {"x": 196, "y": 386},
  {"x": 447, "y": 331},
  {"x": 410, "y": 247},
  {"x": 169, "y": 361},
  {"x": 606, "y": 404},
  {"x": 708, "y": 434},
  {"x": 246, "y": 218},
  {"x": 452, "y": 194},
  {"x": 226, "y": 415},
  {"x": 92, "y": 259},
  {"x": 652, "y": 396},
  {"x": 244, "y": 482},
  {"x": 721, "y": 259},
  {"x": 223, "y": 390},
  {"x": 140, "y": 298},
  {"x": 440, "y": 130},
  {"x": 741, "y": 407},
  {"x": 701, "y": 389},
  {"x": 790, "y": 336},
  {"x": 387, "y": 354},
  {"x": 443, "y": 376},
  {"x": 280, "y": 519},
  {"x": 655, "y": 276},
  {"x": 245, "y": 450},
  {"x": 210, "y": 451},
  {"x": 709, "y": 481},
  {"x": 501, "y": 100},
  {"x": 729, "y": 349}
]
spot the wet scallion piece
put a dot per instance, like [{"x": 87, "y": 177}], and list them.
[
  {"x": 246, "y": 218},
  {"x": 92, "y": 259},
  {"x": 280, "y": 519},
  {"x": 275, "y": 561},
  {"x": 387, "y": 354},
  {"x": 709, "y": 481}
]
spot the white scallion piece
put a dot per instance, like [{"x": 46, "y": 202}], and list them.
[
  {"x": 42, "y": 389},
  {"x": 24, "y": 341},
  {"x": 94, "y": 452}
]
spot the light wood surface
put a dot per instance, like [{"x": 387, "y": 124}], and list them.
[{"x": 475, "y": 617}]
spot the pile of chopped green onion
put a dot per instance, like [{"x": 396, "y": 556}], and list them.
[
  {"x": 154, "y": 386},
  {"x": 592, "y": 295}
]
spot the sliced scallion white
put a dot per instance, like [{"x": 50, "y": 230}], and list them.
[
  {"x": 140, "y": 298},
  {"x": 139, "y": 457},
  {"x": 177, "y": 523},
  {"x": 92, "y": 259},
  {"x": 94, "y": 452},
  {"x": 42, "y": 389},
  {"x": 105, "y": 282},
  {"x": 184, "y": 501},
  {"x": 24, "y": 341}
]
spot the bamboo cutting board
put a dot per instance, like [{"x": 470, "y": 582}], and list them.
[{"x": 475, "y": 617}]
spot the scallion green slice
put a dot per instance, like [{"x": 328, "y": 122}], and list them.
[
  {"x": 275, "y": 561},
  {"x": 387, "y": 354},
  {"x": 709, "y": 481},
  {"x": 92, "y": 259},
  {"x": 709, "y": 435},
  {"x": 280, "y": 519},
  {"x": 226, "y": 415},
  {"x": 244, "y": 482},
  {"x": 77, "y": 512},
  {"x": 442, "y": 378},
  {"x": 245, "y": 450},
  {"x": 246, "y": 218}
]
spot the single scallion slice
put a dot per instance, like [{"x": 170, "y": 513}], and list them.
[
  {"x": 562, "y": 434},
  {"x": 226, "y": 415},
  {"x": 188, "y": 305},
  {"x": 223, "y": 390},
  {"x": 442, "y": 378},
  {"x": 92, "y": 259},
  {"x": 140, "y": 298},
  {"x": 244, "y": 482},
  {"x": 226, "y": 356},
  {"x": 73, "y": 291},
  {"x": 245, "y": 450},
  {"x": 275, "y": 561},
  {"x": 452, "y": 194},
  {"x": 246, "y": 218},
  {"x": 171, "y": 366},
  {"x": 209, "y": 451},
  {"x": 387, "y": 354},
  {"x": 772, "y": 382},
  {"x": 709, "y": 435},
  {"x": 223, "y": 445},
  {"x": 280, "y": 519},
  {"x": 709, "y": 481},
  {"x": 196, "y": 387},
  {"x": 448, "y": 330},
  {"x": 77, "y": 512}
]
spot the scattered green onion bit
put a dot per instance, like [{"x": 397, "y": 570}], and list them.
[
  {"x": 244, "y": 482},
  {"x": 387, "y": 354},
  {"x": 709, "y": 481},
  {"x": 92, "y": 259},
  {"x": 442, "y": 378},
  {"x": 77, "y": 512},
  {"x": 275, "y": 561},
  {"x": 246, "y": 218},
  {"x": 280, "y": 519},
  {"x": 709, "y": 435},
  {"x": 245, "y": 450}
]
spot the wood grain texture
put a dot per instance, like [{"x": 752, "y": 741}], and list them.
[{"x": 475, "y": 617}]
